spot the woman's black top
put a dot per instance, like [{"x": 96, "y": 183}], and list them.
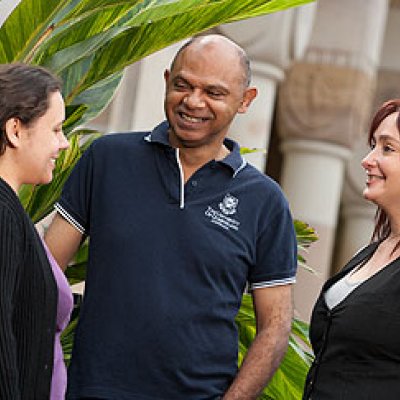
[
  {"x": 357, "y": 342},
  {"x": 28, "y": 305}
]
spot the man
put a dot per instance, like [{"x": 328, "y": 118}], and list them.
[{"x": 178, "y": 223}]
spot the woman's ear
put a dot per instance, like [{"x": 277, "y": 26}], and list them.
[{"x": 13, "y": 131}]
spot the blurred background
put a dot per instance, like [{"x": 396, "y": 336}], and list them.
[{"x": 321, "y": 69}]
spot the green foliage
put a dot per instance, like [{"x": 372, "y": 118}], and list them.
[
  {"x": 76, "y": 271},
  {"x": 248, "y": 150},
  {"x": 67, "y": 339},
  {"x": 288, "y": 381},
  {"x": 305, "y": 236},
  {"x": 88, "y": 43}
]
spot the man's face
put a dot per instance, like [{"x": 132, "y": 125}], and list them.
[{"x": 204, "y": 91}]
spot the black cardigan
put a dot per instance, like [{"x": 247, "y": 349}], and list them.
[
  {"x": 357, "y": 342},
  {"x": 28, "y": 305}
]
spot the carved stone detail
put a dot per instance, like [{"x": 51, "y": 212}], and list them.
[
  {"x": 324, "y": 102},
  {"x": 395, "y": 3},
  {"x": 387, "y": 87}
]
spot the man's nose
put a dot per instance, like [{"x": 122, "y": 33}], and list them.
[{"x": 194, "y": 99}]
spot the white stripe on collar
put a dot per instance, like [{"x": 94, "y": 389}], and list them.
[{"x": 244, "y": 163}]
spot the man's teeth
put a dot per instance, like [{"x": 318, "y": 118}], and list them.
[{"x": 191, "y": 119}]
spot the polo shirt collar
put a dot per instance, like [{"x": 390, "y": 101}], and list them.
[
  {"x": 159, "y": 134},
  {"x": 233, "y": 160}
]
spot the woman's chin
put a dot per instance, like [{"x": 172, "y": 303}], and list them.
[
  {"x": 46, "y": 179},
  {"x": 368, "y": 196}
]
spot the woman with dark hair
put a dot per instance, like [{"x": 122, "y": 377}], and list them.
[
  {"x": 355, "y": 324},
  {"x": 32, "y": 309}
]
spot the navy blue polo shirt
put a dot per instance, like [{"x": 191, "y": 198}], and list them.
[{"x": 168, "y": 264}]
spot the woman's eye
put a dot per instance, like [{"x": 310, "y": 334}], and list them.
[{"x": 387, "y": 148}]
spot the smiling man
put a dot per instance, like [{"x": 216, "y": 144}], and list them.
[{"x": 179, "y": 223}]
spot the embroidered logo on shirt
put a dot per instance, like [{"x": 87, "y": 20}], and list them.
[
  {"x": 228, "y": 207},
  {"x": 228, "y": 204}
]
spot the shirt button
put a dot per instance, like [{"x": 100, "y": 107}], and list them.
[
  {"x": 194, "y": 183},
  {"x": 46, "y": 367}
]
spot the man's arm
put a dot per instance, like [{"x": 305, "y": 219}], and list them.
[
  {"x": 273, "y": 309},
  {"x": 63, "y": 240}
]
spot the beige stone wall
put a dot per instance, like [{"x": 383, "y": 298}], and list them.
[{"x": 324, "y": 102}]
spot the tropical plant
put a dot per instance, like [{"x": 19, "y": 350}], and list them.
[
  {"x": 88, "y": 43},
  {"x": 288, "y": 381}
]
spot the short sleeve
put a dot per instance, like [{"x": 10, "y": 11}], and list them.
[
  {"x": 74, "y": 204},
  {"x": 10, "y": 261},
  {"x": 276, "y": 252}
]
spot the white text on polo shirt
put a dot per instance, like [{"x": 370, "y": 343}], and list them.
[{"x": 222, "y": 220}]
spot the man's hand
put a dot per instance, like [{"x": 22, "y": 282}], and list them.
[{"x": 273, "y": 309}]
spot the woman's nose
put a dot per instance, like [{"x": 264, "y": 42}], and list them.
[
  {"x": 369, "y": 160},
  {"x": 64, "y": 144}
]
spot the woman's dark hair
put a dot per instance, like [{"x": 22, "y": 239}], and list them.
[
  {"x": 382, "y": 225},
  {"x": 24, "y": 94}
]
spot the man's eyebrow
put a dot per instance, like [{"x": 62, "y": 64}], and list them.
[
  {"x": 180, "y": 77},
  {"x": 220, "y": 88}
]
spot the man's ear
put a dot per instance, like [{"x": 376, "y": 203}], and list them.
[
  {"x": 166, "y": 76},
  {"x": 13, "y": 131},
  {"x": 248, "y": 96}
]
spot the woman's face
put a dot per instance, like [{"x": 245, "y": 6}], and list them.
[
  {"x": 42, "y": 142},
  {"x": 382, "y": 165}
]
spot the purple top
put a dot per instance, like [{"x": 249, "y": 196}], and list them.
[{"x": 64, "y": 308}]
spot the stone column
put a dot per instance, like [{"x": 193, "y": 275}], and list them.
[
  {"x": 269, "y": 42},
  {"x": 358, "y": 214},
  {"x": 321, "y": 108},
  {"x": 312, "y": 179},
  {"x": 252, "y": 129},
  {"x": 324, "y": 106},
  {"x": 356, "y": 223}
]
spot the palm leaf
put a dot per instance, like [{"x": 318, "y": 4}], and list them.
[
  {"x": 288, "y": 380},
  {"x": 89, "y": 42}
]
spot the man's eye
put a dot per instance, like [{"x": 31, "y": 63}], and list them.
[
  {"x": 215, "y": 94},
  {"x": 180, "y": 85}
]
